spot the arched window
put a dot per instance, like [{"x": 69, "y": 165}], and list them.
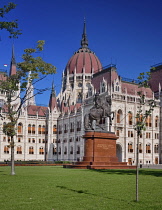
[
  {"x": 19, "y": 150},
  {"x": 65, "y": 150},
  {"x": 117, "y": 87},
  {"x": 65, "y": 128},
  {"x": 71, "y": 150},
  {"x": 156, "y": 122},
  {"x": 41, "y": 150},
  {"x": 79, "y": 100},
  {"x": 39, "y": 129},
  {"x": 31, "y": 150},
  {"x": 140, "y": 147},
  {"x": 119, "y": 116},
  {"x": 130, "y": 118},
  {"x": 54, "y": 151},
  {"x": 78, "y": 150},
  {"x": 6, "y": 149},
  {"x": 130, "y": 147},
  {"x": 90, "y": 92},
  {"x": 54, "y": 129},
  {"x": 148, "y": 121},
  {"x": 156, "y": 148},
  {"x": 43, "y": 129},
  {"x": 72, "y": 127},
  {"x": 29, "y": 128},
  {"x": 33, "y": 129},
  {"x": 148, "y": 148},
  {"x": 20, "y": 128},
  {"x": 78, "y": 125},
  {"x": 130, "y": 134},
  {"x": 139, "y": 118},
  {"x": 103, "y": 87}
]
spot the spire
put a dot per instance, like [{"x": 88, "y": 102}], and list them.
[
  {"x": 84, "y": 41},
  {"x": 53, "y": 93},
  {"x": 52, "y": 101},
  {"x": 13, "y": 63}
]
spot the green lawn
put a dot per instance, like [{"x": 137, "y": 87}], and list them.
[{"x": 56, "y": 188}]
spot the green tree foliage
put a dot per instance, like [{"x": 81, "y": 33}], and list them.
[
  {"x": 10, "y": 26},
  {"x": 30, "y": 71},
  {"x": 141, "y": 115}
]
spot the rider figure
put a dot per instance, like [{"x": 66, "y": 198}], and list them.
[
  {"x": 104, "y": 105},
  {"x": 97, "y": 101},
  {"x": 98, "y": 104}
]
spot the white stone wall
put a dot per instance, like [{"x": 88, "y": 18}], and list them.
[{"x": 24, "y": 138}]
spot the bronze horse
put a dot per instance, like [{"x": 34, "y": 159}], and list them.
[{"x": 97, "y": 113}]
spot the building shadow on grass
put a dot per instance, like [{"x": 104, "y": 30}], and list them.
[{"x": 155, "y": 172}]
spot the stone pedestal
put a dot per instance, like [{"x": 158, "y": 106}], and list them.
[
  {"x": 100, "y": 147},
  {"x": 100, "y": 152}
]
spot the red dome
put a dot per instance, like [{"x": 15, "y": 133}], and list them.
[{"x": 84, "y": 57}]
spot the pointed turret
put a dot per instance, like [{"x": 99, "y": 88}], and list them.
[
  {"x": 13, "y": 63},
  {"x": 84, "y": 41},
  {"x": 52, "y": 101}
]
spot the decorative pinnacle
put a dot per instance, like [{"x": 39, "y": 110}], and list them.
[
  {"x": 84, "y": 41},
  {"x": 53, "y": 93},
  {"x": 13, "y": 61}
]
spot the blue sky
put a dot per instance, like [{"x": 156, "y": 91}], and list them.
[{"x": 127, "y": 33}]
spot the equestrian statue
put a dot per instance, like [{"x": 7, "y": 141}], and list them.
[{"x": 100, "y": 110}]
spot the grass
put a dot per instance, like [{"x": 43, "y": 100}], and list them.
[{"x": 56, "y": 188}]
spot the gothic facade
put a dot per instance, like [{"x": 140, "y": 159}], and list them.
[{"x": 56, "y": 132}]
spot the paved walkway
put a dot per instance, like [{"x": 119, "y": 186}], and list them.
[{"x": 158, "y": 166}]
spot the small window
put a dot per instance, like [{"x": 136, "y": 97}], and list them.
[
  {"x": 54, "y": 129},
  {"x": 130, "y": 147},
  {"x": 29, "y": 128},
  {"x": 19, "y": 150},
  {"x": 119, "y": 116},
  {"x": 140, "y": 147},
  {"x": 130, "y": 118},
  {"x": 31, "y": 150},
  {"x": 156, "y": 122},
  {"x": 41, "y": 150},
  {"x": 156, "y": 148},
  {"x": 20, "y": 128},
  {"x": 33, "y": 129},
  {"x": 6, "y": 149},
  {"x": 148, "y": 148}
]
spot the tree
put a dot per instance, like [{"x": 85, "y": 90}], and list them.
[
  {"x": 10, "y": 26},
  {"x": 30, "y": 71},
  {"x": 141, "y": 117}
]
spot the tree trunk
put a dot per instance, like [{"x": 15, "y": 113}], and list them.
[
  {"x": 137, "y": 167},
  {"x": 12, "y": 156}
]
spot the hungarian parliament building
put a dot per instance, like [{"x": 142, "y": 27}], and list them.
[{"x": 55, "y": 133}]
